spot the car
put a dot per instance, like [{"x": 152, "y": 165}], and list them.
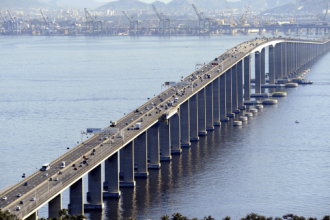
[
  {"x": 73, "y": 165},
  {"x": 128, "y": 129},
  {"x": 126, "y": 123},
  {"x": 80, "y": 165},
  {"x": 26, "y": 183},
  {"x": 105, "y": 138},
  {"x": 60, "y": 172},
  {"x": 21, "y": 202},
  {"x": 51, "y": 179},
  {"x": 18, "y": 195},
  {"x": 33, "y": 199},
  {"x": 56, "y": 179},
  {"x": 46, "y": 174},
  {"x": 94, "y": 150},
  {"x": 75, "y": 168},
  {"x": 92, "y": 153},
  {"x": 18, "y": 208},
  {"x": 84, "y": 161},
  {"x": 101, "y": 145},
  {"x": 149, "y": 114},
  {"x": 4, "y": 198}
]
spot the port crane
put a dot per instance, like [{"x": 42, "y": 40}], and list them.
[
  {"x": 164, "y": 24},
  {"x": 134, "y": 24},
  {"x": 202, "y": 21},
  {"x": 13, "y": 23},
  {"x": 92, "y": 22}
]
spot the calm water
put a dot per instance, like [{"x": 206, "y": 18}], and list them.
[{"x": 52, "y": 88}]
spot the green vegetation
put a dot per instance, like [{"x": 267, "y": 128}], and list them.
[{"x": 63, "y": 215}]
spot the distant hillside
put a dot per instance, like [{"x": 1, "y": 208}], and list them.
[
  {"x": 17, "y": 4},
  {"x": 302, "y": 7},
  {"x": 124, "y": 5},
  {"x": 73, "y": 3}
]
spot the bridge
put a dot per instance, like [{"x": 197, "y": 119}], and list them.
[{"x": 218, "y": 92}]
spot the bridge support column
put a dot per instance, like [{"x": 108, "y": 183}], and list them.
[
  {"x": 271, "y": 62},
  {"x": 257, "y": 74},
  {"x": 112, "y": 176},
  {"x": 55, "y": 206},
  {"x": 34, "y": 216},
  {"x": 153, "y": 147},
  {"x": 240, "y": 102},
  {"x": 201, "y": 113},
  {"x": 263, "y": 66},
  {"x": 193, "y": 108},
  {"x": 223, "y": 108},
  {"x": 140, "y": 145},
  {"x": 127, "y": 165},
  {"x": 185, "y": 124},
  {"x": 209, "y": 107},
  {"x": 165, "y": 140},
  {"x": 77, "y": 198},
  {"x": 234, "y": 96},
  {"x": 175, "y": 134},
  {"x": 278, "y": 61},
  {"x": 247, "y": 79},
  {"x": 229, "y": 94},
  {"x": 284, "y": 59},
  {"x": 216, "y": 102},
  {"x": 95, "y": 189}
]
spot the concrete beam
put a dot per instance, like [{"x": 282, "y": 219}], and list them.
[
  {"x": 77, "y": 198},
  {"x": 185, "y": 124},
  {"x": 263, "y": 66},
  {"x": 175, "y": 134},
  {"x": 55, "y": 206},
  {"x": 223, "y": 108},
  {"x": 127, "y": 165},
  {"x": 165, "y": 140},
  {"x": 229, "y": 93},
  {"x": 140, "y": 146},
  {"x": 95, "y": 189},
  {"x": 112, "y": 176},
  {"x": 257, "y": 74},
  {"x": 271, "y": 56},
  {"x": 153, "y": 147},
  {"x": 209, "y": 107},
  {"x": 216, "y": 102},
  {"x": 202, "y": 113}
]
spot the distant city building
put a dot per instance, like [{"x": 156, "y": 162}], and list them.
[
  {"x": 75, "y": 13},
  {"x": 110, "y": 13}
]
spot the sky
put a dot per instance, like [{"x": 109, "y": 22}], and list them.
[{"x": 147, "y": 1}]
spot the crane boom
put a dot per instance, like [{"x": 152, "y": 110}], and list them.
[
  {"x": 130, "y": 19},
  {"x": 11, "y": 17},
  {"x": 3, "y": 17},
  {"x": 88, "y": 15},
  {"x": 43, "y": 16},
  {"x": 199, "y": 15},
  {"x": 158, "y": 15},
  {"x": 326, "y": 12}
]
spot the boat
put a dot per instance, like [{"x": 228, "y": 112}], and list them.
[
  {"x": 304, "y": 81},
  {"x": 297, "y": 121}
]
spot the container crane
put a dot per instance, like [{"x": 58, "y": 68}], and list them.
[
  {"x": 13, "y": 22},
  {"x": 3, "y": 17},
  {"x": 134, "y": 25},
  {"x": 202, "y": 20},
  {"x": 45, "y": 19},
  {"x": 91, "y": 20},
  {"x": 232, "y": 20},
  {"x": 164, "y": 24}
]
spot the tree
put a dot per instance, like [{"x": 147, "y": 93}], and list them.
[{"x": 7, "y": 216}]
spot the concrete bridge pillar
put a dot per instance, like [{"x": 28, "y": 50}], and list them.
[
  {"x": 77, "y": 198},
  {"x": 257, "y": 58},
  {"x": 247, "y": 78},
  {"x": 127, "y": 165},
  {"x": 216, "y": 102},
  {"x": 153, "y": 147},
  {"x": 185, "y": 124},
  {"x": 175, "y": 134},
  {"x": 33, "y": 216},
  {"x": 112, "y": 176},
  {"x": 201, "y": 113},
  {"x": 278, "y": 61},
  {"x": 271, "y": 62},
  {"x": 240, "y": 102},
  {"x": 95, "y": 189},
  {"x": 140, "y": 145},
  {"x": 223, "y": 109},
  {"x": 263, "y": 66},
  {"x": 193, "y": 108},
  {"x": 209, "y": 107},
  {"x": 165, "y": 140},
  {"x": 234, "y": 90},
  {"x": 289, "y": 60},
  {"x": 55, "y": 206},
  {"x": 284, "y": 59},
  {"x": 229, "y": 94}
]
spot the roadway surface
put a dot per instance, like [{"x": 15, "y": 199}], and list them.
[{"x": 40, "y": 187}]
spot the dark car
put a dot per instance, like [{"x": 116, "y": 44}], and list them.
[
  {"x": 73, "y": 165},
  {"x": 26, "y": 183}
]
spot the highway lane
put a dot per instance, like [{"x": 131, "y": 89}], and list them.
[{"x": 39, "y": 183}]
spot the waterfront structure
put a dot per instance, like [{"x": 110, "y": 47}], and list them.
[{"x": 212, "y": 95}]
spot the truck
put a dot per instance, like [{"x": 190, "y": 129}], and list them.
[{"x": 138, "y": 126}]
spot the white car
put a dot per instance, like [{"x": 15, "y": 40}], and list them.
[
  {"x": 33, "y": 199},
  {"x": 4, "y": 198}
]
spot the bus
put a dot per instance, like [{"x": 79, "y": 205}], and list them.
[{"x": 45, "y": 167}]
